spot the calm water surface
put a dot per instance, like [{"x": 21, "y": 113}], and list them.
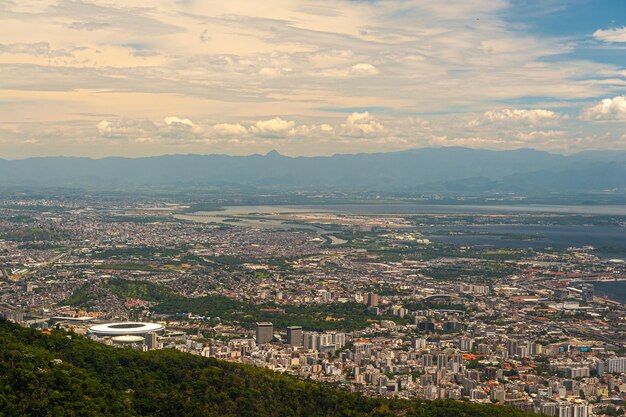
[{"x": 547, "y": 236}]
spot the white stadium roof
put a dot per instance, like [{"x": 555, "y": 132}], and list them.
[
  {"x": 125, "y": 328},
  {"x": 127, "y": 339}
]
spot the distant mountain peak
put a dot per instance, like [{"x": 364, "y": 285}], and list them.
[
  {"x": 273, "y": 153},
  {"x": 425, "y": 170}
]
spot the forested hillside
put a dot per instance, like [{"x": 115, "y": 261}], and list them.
[{"x": 60, "y": 374}]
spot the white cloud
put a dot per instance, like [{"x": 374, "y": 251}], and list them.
[
  {"x": 104, "y": 128},
  {"x": 272, "y": 127},
  {"x": 275, "y": 72},
  {"x": 611, "y": 35},
  {"x": 364, "y": 70},
  {"x": 175, "y": 121},
  {"x": 247, "y": 61},
  {"x": 311, "y": 131},
  {"x": 329, "y": 58},
  {"x": 608, "y": 109},
  {"x": 362, "y": 123},
  {"x": 517, "y": 116},
  {"x": 540, "y": 135},
  {"x": 178, "y": 128},
  {"x": 357, "y": 117},
  {"x": 88, "y": 26},
  {"x": 356, "y": 70},
  {"x": 145, "y": 140},
  {"x": 37, "y": 48},
  {"x": 230, "y": 129},
  {"x": 469, "y": 142},
  {"x": 126, "y": 129}
]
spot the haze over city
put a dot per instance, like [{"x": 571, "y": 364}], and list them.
[{"x": 130, "y": 78}]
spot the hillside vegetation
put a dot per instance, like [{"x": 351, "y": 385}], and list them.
[
  {"x": 60, "y": 374},
  {"x": 321, "y": 317}
]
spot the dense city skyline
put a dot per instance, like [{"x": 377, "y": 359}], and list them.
[{"x": 309, "y": 78}]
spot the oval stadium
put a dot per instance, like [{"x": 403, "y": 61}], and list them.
[
  {"x": 126, "y": 328},
  {"x": 126, "y": 339}
]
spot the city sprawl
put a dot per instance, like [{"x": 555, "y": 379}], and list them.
[{"x": 374, "y": 303}]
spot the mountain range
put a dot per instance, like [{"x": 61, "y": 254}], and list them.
[{"x": 450, "y": 169}]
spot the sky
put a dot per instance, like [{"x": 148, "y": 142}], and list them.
[{"x": 137, "y": 78}]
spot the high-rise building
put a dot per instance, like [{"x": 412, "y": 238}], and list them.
[
  {"x": 427, "y": 360},
  {"x": 372, "y": 299},
  {"x": 14, "y": 316},
  {"x": 399, "y": 311},
  {"x": 311, "y": 340},
  {"x": 339, "y": 339},
  {"x": 522, "y": 351},
  {"x": 498, "y": 395},
  {"x": 264, "y": 332},
  {"x": 616, "y": 365},
  {"x": 326, "y": 339},
  {"x": 294, "y": 336},
  {"x": 452, "y": 326},
  {"x": 511, "y": 346},
  {"x": 327, "y": 349},
  {"x": 426, "y": 326},
  {"x": 491, "y": 372},
  {"x": 564, "y": 409},
  {"x": 364, "y": 348},
  {"x": 587, "y": 295},
  {"x": 561, "y": 294},
  {"x": 465, "y": 344},
  {"x": 418, "y": 343},
  {"x": 150, "y": 340},
  {"x": 577, "y": 372},
  {"x": 442, "y": 361}
]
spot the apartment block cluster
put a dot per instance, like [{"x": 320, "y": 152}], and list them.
[{"x": 480, "y": 363}]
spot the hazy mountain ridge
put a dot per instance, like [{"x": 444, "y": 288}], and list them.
[{"x": 427, "y": 168}]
